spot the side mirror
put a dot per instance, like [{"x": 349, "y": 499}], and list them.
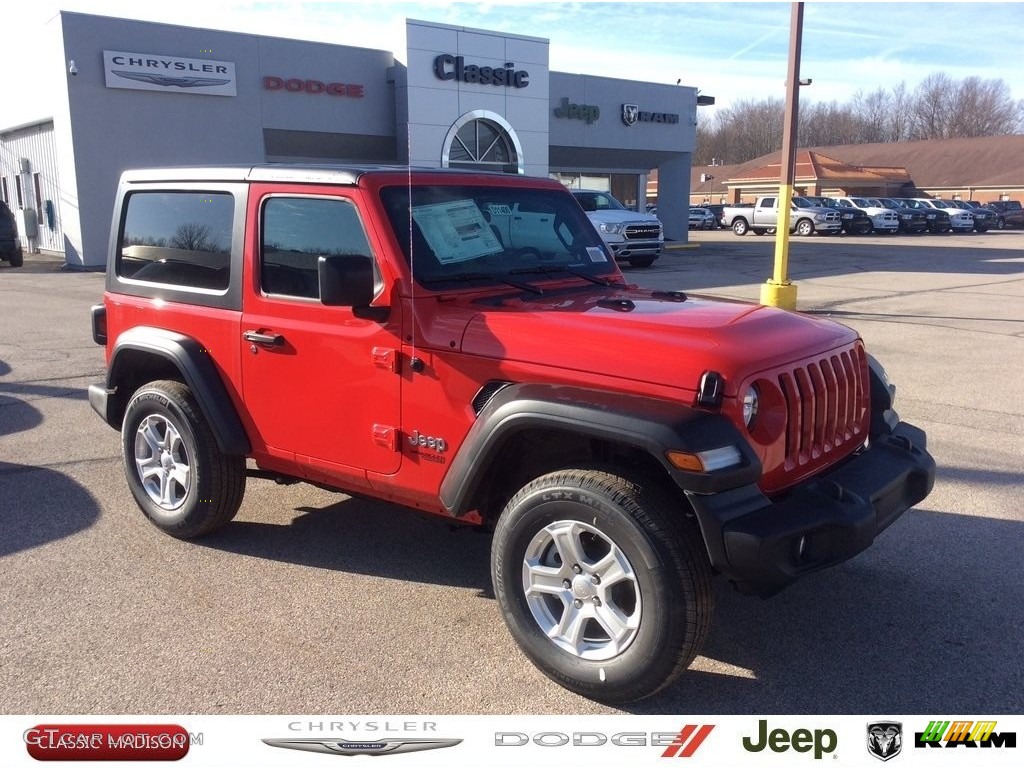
[{"x": 347, "y": 281}]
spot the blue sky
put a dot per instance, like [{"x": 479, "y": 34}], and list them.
[{"x": 733, "y": 51}]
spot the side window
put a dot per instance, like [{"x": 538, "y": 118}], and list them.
[
  {"x": 768, "y": 202},
  {"x": 296, "y": 232},
  {"x": 177, "y": 238}
]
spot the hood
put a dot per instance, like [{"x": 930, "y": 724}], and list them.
[
  {"x": 636, "y": 335},
  {"x": 619, "y": 217}
]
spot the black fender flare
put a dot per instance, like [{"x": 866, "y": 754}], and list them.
[
  {"x": 651, "y": 425},
  {"x": 198, "y": 373}
]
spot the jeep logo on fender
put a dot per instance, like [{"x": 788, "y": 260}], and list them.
[
  {"x": 448, "y": 67},
  {"x": 428, "y": 441},
  {"x": 821, "y": 741}
]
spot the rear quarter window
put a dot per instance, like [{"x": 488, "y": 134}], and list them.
[{"x": 177, "y": 238}]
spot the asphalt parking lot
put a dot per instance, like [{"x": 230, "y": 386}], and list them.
[{"x": 315, "y": 603}]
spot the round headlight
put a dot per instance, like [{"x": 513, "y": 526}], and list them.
[{"x": 750, "y": 407}]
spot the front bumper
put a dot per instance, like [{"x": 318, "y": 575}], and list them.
[
  {"x": 626, "y": 248},
  {"x": 763, "y": 545}
]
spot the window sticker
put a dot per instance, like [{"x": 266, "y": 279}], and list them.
[
  {"x": 497, "y": 209},
  {"x": 456, "y": 231},
  {"x": 596, "y": 254}
]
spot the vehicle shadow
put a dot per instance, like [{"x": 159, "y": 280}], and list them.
[
  {"x": 371, "y": 538},
  {"x": 38, "y": 506},
  {"x": 897, "y": 630}
]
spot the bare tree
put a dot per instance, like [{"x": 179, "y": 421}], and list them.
[
  {"x": 939, "y": 107},
  {"x": 192, "y": 236}
]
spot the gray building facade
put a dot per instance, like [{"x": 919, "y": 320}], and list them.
[{"x": 138, "y": 94}]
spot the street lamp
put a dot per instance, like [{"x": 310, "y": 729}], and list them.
[{"x": 779, "y": 291}]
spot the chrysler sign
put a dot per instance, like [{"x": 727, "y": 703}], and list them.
[{"x": 174, "y": 74}]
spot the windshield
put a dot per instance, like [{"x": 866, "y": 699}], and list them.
[
  {"x": 801, "y": 202},
  {"x": 485, "y": 234},
  {"x": 939, "y": 204},
  {"x": 597, "y": 201}
]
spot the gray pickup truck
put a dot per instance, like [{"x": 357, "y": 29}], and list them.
[{"x": 804, "y": 219}]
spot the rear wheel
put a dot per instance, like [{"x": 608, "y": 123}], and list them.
[
  {"x": 602, "y": 582},
  {"x": 175, "y": 469},
  {"x": 740, "y": 227},
  {"x": 17, "y": 259}
]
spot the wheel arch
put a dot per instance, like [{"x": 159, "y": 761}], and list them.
[
  {"x": 146, "y": 354},
  {"x": 528, "y": 429}
]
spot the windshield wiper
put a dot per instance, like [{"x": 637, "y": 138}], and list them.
[
  {"x": 548, "y": 269},
  {"x": 465, "y": 277}
]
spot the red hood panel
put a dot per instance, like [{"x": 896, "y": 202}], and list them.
[{"x": 633, "y": 335}]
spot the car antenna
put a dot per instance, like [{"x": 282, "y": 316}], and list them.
[{"x": 414, "y": 362}]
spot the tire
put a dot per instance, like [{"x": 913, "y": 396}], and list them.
[
  {"x": 759, "y": 232},
  {"x": 1000, "y": 223},
  {"x": 740, "y": 227},
  {"x": 175, "y": 469},
  {"x": 641, "y": 261},
  {"x": 658, "y": 607},
  {"x": 17, "y": 258},
  {"x": 805, "y": 227}
]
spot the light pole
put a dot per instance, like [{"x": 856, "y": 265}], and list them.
[{"x": 779, "y": 291}]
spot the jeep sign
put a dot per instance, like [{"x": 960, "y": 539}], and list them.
[{"x": 586, "y": 112}]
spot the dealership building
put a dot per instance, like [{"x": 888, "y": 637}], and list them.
[{"x": 127, "y": 94}]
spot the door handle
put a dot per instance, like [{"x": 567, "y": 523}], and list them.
[{"x": 266, "y": 339}]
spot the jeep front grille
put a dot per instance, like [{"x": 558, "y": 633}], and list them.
[
  {"x": 642, "y": 231},
  {"x": 826, "y": 401}
]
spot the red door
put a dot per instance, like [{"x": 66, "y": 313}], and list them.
[{"x": 320, "y": 384}]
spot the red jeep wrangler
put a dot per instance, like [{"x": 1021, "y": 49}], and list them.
[{"x": 463, "y": 343}]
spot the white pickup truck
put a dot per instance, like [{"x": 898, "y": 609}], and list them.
[
  {"x": 804, "y": 219},
  {"x": 634, "y": 237}
]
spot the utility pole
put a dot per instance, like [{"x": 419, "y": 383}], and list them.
[{"x": 778, "y": 291}]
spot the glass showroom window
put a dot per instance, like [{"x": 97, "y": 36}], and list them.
[{"x": 483, "y": 141}]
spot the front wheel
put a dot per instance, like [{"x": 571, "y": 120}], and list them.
[
  {"x": 804, "y": 228},
  {"x": 175, "y": 469},
  {"x": 602, "y": 581},
  {"x": 16, "y": 259}
]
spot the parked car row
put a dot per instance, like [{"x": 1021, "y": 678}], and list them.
[{"x": 864, "y": 215}]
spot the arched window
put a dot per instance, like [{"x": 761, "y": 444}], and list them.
[{"x": 482, "y": 140}]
